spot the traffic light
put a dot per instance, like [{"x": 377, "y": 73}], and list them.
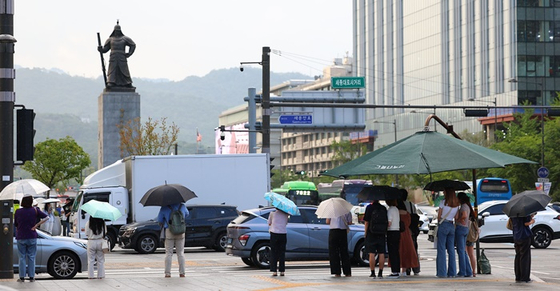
[{"x": 25, "y": 134}]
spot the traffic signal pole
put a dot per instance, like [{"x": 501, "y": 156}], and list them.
[
  {"x": 266, "y": 100},
  {"x": 7, "y": 100}
]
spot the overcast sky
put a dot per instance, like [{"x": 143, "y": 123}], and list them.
[{"x": 179, "y": 38}]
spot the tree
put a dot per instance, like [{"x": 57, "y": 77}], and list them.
[
  {"x": 345, "y": 151},
  {"x": 154, "y": 137},
  {"x": 522, "y": 139},
  {"x": 57, "y": 161}
]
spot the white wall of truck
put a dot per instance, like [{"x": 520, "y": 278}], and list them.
[{"x": 237, "y": 179}]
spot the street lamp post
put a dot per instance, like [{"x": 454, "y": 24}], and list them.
[
  {"x": 394, "y": 123},
  {"x": 542, "y": 116}
]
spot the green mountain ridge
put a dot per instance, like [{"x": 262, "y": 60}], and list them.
[{"x": 67, "y": 105}]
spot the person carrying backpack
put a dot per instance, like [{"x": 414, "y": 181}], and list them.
[
  {"x": 376, "y": 222},
  {"x": 172, "y": 219}
]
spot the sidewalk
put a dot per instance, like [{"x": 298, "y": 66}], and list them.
[{"x": 296, "y": 278}]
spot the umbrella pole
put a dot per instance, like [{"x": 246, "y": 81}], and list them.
[{"x": 476, "y": 217}]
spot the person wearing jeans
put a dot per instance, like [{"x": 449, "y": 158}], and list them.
[
  {"x": 25, "y": 221},
  {"x": 461, "y": 232},
  {"x": 448, "y": 211},
  {"x": 277, "y": 222}
]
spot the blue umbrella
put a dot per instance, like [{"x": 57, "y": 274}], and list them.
[
  {"x": 281, "y": 202},
  {"x": 102, "y": 210}
]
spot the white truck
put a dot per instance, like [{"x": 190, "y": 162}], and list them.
[{"x": 240, "y": 180}]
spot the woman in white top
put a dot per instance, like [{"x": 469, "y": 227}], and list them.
[
  {"x": 277, "y": 221},
  {"x": 393, "y": 238},
  {"x": 95, "y": 231},
  {"x": 338, "y": 244},
  {"x": 448, "y": 211}
]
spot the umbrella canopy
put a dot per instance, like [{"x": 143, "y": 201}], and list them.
[
  {"x": 442, "y": 184},
  {"x": 379, "y": 192},
  {"x": 50, "y": 200},
  {"x": 525, "y": 203},
  {"x": 16, "y": 189},
  {"x": 333, "y": 207},
  {"x": 166, "y": 195},
  {"x": 425, "y": 152},
  {"x": 281, "y": 202},
  {"x": 101, "y": 210}
]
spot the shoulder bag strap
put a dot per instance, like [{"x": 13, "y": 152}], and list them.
[{"x": 444, "y": 217}]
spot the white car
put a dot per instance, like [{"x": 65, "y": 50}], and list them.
[
  {"x": 545, "y": 229},
  {"x": 427, "y": 214}
]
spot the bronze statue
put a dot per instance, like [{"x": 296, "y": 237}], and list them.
[{"x": 118, "y": 76}]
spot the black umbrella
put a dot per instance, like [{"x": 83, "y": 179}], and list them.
[
  {"x": 166, "y": 195},
  {"x": 442, "y": 184},
  {"x": 525, "y": 203},
  {"x": 375, "y": 192}
]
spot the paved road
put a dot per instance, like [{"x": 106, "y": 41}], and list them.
[{"x": 209, "y": 270}]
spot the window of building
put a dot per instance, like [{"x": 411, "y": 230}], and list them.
[
  {"x": 329, "y": 135},
  {"x": 305, "y": 138},
  {"x": 531, "y": 96},
  {"x": 323, "y": 150},
  {"x": 283, "y": 155},
  {"x": 322, "y": 135},
  {"x": 531, "y": 66}
]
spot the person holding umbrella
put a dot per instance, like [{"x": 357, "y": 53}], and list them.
[
  {"x": 338, "y": 244},
  {"x": 521, "y": 209},
  {"x": 173, "y": 240},
  {"x": 277, "y": 222},
  {"x": 95, "y": 232},
  {"x": 25, "y": 221},
  {"x": 522, "y": 236},
  {"x": 448, "y": 211}
]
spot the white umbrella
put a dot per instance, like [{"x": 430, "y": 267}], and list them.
[
  {"x": 333, "y": 207},
  {"x": 16, "y": 189},
  {"x": 51, "y": 200}
]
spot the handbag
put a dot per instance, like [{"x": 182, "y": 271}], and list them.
[
  {"x": 509, "y": 224},
  {"x": 105, "y": 246},
  {"x": 473, "y": 231},
  {"x": 105, "y": 243}
]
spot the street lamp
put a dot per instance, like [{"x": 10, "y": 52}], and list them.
[
  {"x": 394, "y": 123},
  {"x": 542, "y": 116},
  {"x": 265, "y": 102},
  {"x": 495, "y": 114}
]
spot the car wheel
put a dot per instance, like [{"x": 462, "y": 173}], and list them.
[
  {"x": 248, "y": 261},
  {"x": 221, "y": 242},
  {"x": 542, "y": 237},
  {"x": 361, "y": 257},
  {"x": 63, "y": 265},
  {"x": 146, "y": 244},
  {"x": 260, "y": 255},
  {"x": 112, "y": 239}
]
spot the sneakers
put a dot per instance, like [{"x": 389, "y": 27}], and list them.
[
  {"x": 31, "y": 279},
  {"x": 21, "y": 280},
  {"x": 394, "y": 276}
]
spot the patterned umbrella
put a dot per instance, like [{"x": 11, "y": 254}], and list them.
[{"x": 281, "y": 202}]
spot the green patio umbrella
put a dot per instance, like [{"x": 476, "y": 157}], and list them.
[{"x": 425, "y": 152}]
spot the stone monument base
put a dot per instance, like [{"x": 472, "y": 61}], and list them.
[{"x": 114, "y": 109}]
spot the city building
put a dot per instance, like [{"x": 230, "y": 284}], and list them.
[
  {"x": 298, "y": 151},
  {"x": 438, "y": 52}
]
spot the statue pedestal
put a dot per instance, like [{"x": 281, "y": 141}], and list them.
[{"x": 114, "y": 109}]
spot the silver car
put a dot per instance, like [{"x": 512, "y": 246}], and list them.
[
  {"x": 308, "y": 236},
  {"x": 62, "y": 257}
]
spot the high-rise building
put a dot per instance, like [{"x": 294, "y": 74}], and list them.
[{"x": 439, "y": 52}]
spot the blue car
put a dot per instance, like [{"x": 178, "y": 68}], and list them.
[{"x": 308, "y": 236}]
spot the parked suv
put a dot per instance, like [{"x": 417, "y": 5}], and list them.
[{"x": 205, "y": 226}]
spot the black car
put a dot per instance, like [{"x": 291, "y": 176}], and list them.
[{"x": 206, "y": 226}]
